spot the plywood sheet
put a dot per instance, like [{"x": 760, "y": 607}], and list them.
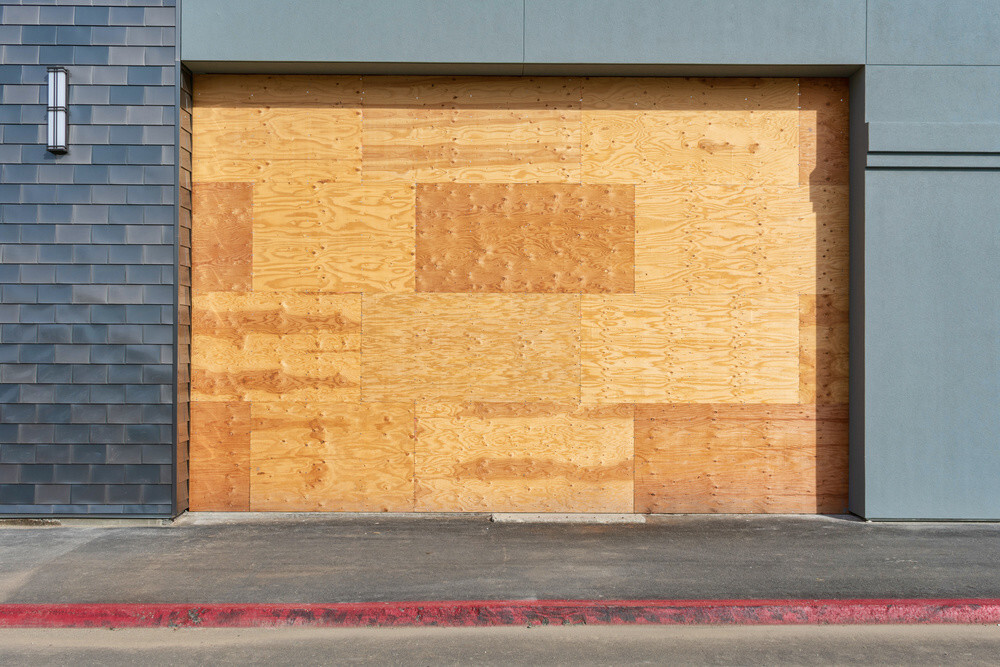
[
  {"x": 471, "y": 347},
  {"x": 690, "y": 94},
  {"x": 721, "y": 147},
  {"x": 824, "y": 131},
  {"x": 740, "y": 458},
  {"x": 823, "y": 349},
  {"x": 689, "y": 348},
  {"x": 318, "y": 456},
  {"x": 219, "y": 457},
  {"x": 334, "y": 238},
  {"x": 208, "y": 169},
  {"x": 221, "y": 236},
  {"x": 525, "y": 238},
  {"x": 267, "y": 346},
  {"x": 471, "y": 92},
  {"x": 523, "y": 457},
  {"x": 288, "y": 91},
  {"x": 471, "y": 145}
]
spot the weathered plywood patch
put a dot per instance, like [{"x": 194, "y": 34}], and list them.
[
  {"x": 823, "y": 349},
  {"x": 689, "y": 348},
  {"x": 471, "y": 347},
  {"x": 221, "y": 236},
  {"x": 824, "y": 128},
  {"x": 311, "y": 457},
  {"x": 219, "y": 457},
  {"x": 740, "y": 458},
  {"x": 523, "y": 457},
  {"x": 525, "y": 238},
  {"x": 267, "y": 346}
]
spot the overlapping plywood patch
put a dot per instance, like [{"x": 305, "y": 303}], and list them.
[
  {"x": 740, "y": 458},
  {"x": 471, "y": 347},
  {"x": 219, "y": 457},
  {"x": 221, "y": 242},
  {"x": 276, "y": 346},
  {"x": 315, "y": 456},
  {"x": 523, "y": 457},
  {"x": 525, "y": 238}
]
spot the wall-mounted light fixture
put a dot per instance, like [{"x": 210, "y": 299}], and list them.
[{"x": 57, "y": 113}]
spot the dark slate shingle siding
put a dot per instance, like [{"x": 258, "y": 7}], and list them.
[{"x": 87, "y": 249}]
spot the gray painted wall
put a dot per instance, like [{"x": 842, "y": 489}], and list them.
[
  {"x": 925, "y": 174},
  {"x": 87, "y": 273}
]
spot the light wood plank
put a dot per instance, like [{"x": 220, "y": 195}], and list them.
[
  {"x": 277, "y": 90},
  {"x": 471, "y": 145},
  {"x": 523, "y": 457},
  {"x": 472, "y": 92},
  {"x": 741, "y": 458},
  {"x": 334, "y": 238},
  {"x": 471, "y": 347},
  {"x": 269, "y": 346},
  {"x": 689, "y": 348},
  {"x": 312, "y": 457},
  {"x": 690, "y": 94},
  {"x": 219, "y": 457}
]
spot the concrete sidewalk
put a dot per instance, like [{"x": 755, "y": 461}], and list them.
[{"x": 329, "y": 558}]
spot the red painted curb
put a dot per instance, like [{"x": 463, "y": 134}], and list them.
[{"x": 502, "y": 612}]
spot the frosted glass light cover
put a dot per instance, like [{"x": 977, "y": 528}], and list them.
[{"x": 57, "y": 116}]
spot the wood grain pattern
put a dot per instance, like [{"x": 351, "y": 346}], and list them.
[
  {"x": 721, "y": 147},
  {"x": 471, "y": 145},
  {"x": 334, "y": 238},
  {"x": 311, "y": 457},
  {"x": 690, "y": 94},
  {"x": 467, "y": 293},
  {"x": 823, "y": 349},
  {"x": 471, "y": 347},
  {"x": 824, "y": 130},
  {"x": 268, "y": 346},
  {"x": 711, "y": 239},
  {"x": 525, "y": 238},
  {"x": 740, "y": 458},
  {"x": 219, "y": 457},
  {"x": 689, "y": 349},
  {"x": 222, "y": 237},
  {"x": 523, "y": 457}
]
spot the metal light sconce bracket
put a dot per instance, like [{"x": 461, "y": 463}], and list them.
[{"x": 58, "y": 113}]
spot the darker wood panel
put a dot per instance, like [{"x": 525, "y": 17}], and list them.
[
  {"x": 823, "y": 131},
  {"x": 221, "y": 237},
  {"x": 220, "y": 456},
  {"x": 525, "y": 238},
  {"x": 740, "y": 458}
]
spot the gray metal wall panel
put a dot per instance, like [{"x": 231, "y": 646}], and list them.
[
  {"x": 926, "y": 94},
  {"x": 86, "y": 261},
  {"x": 708, "y": 31},
  {"x": 933, "y": 32},
  {"x": 934, "y": 137},
  {"x": 356, "y": 31},
  {"x": 932, "y": 344}
]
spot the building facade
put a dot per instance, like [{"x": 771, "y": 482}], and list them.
[{"x": 97, "y": 248}]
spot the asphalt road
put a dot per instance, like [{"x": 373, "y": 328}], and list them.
[{"x": 705, "y": 645}]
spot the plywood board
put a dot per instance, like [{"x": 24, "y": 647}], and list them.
[
  {"x": 471, "y": 145},
  {"x": 267, "y": 346},
  {"x": 690, "y": 94},
  {"x": 221, "y": 237},
  {"x": 208, "y": 169},
  {"x": 523, "y": 457},
  {"x": 286, "y": 91},
  {"x": 471, "y": 92},
  {"x": 317, "y": 456},
  {"x": 722, "y": 147},
  {"x": 824, "y": 131},
  {"x": 219, "y": 457},
  {"x": 823, "y": 349},
  {"x": 525, "y": 238},
  {"x": 740, "y": 458},
  {"x": 689, "y": 349},
  {"x": 334, "y": 238},
  {"x": 471, "y": 347}
]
